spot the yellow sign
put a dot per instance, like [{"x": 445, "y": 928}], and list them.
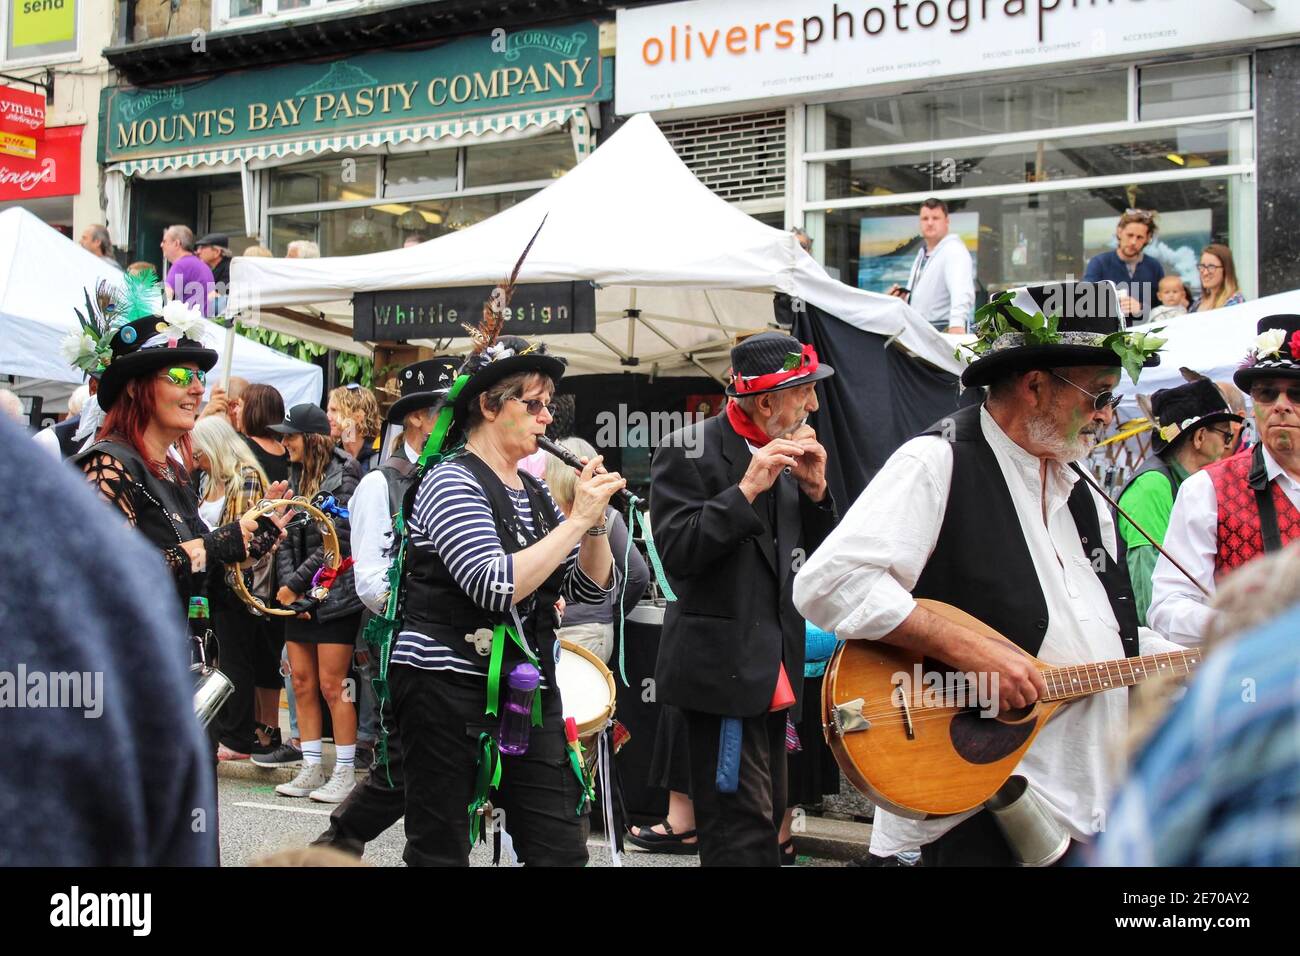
[
  {"x": 11, "y": 144},
  {"x": 37, "y": 22}
]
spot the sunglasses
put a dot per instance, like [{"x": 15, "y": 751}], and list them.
[
  {"x": 1268, "y": 394},
  {"x": 1140, "y": 215},
  {"x": 535, "y": 405},
  {"x": 1106, "y": 399},
  {"x": 1224, "y": 433},
  {"x": 185, "y": 377}
]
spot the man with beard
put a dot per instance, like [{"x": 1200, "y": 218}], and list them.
[{"x": 983, "y": 512}]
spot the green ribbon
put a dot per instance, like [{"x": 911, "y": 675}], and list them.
[
  {"x": 494, "y": 672},
  {"x": 489, "y": 778},
  {"x": 637, "y": 520},
  {"x": 588, "y": 794}
]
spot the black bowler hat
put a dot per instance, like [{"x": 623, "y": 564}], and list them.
[
  {"x": 771, "y": 361},
  {"x": 422, "y": 384},
  {"x": 1180, "y": 411},
  {"x": 304, "y": 419},
  {"x": 1276, "y": 353},
  {"x": 508, "y": 355},
  {"x": 1086, "y": 313},
  {"x": 218, "y": 239}
]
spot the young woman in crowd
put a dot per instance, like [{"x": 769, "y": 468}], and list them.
[
  {"x": 355, "y": 423},
  {"x": 1219, "y": 286}
]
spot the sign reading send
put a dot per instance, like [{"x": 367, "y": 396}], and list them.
[
  {"x": 483, "y": 74},
  {"x": 543, "y": 308}
]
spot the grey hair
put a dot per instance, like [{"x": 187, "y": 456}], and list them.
[
  {"x": 99, "y": 234},
  {"x": 305, "y": 249},
  {"x": 561, "y": 478},
  {"x": 184, "y": 235}
]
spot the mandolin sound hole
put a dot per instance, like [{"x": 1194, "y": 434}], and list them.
[{"x": 985, "y": 740}]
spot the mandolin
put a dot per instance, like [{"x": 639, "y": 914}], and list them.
[{"x": 921, "y": 741}]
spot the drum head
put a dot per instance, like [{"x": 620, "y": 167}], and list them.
[{"x": 586, "y": 688}]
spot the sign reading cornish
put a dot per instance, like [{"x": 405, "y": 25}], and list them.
[
  {"x": 539, "y": 308},
  {"x": 493, "y": 73}
]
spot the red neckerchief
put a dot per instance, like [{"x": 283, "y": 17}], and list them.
[{"x": 744, "y": 425}]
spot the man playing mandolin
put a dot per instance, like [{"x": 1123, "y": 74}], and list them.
[{"x": 982, "y": 512}]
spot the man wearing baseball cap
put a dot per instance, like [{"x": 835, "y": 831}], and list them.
[{"x": 735, "y": 507}]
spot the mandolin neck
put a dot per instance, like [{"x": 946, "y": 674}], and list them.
[{"x": 1079, "y": 680}]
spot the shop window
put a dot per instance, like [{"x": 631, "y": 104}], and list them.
[
  {"x": 420, "y": 174},
  {"x": 998, "y": 108},
  {"x": 387, "y": 225},
  {"x": 1036, "y": 237},
  {"x": 1198, "y": 88},
  {"x": 337, "y": 179},
  {"x": 519, "y": 161},
  {"x": 38, "y": 32},
  {"x": 228, "y": 11},
  {"x": 1190, "y": 146}
]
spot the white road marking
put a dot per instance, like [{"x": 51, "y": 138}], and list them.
[{"x": 272, "y": 806}]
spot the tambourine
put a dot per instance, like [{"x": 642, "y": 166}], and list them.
[{"x": 329, "y": 538}]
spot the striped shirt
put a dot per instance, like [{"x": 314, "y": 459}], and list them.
[{"x": 452, "y": 518}]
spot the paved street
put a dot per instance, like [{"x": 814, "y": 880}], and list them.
[{"x": 255, "y": 821}]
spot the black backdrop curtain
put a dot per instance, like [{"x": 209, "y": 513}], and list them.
[{"x": 878, "y": 398}]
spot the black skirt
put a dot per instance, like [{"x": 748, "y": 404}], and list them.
[{"x": 340, "y": 630}]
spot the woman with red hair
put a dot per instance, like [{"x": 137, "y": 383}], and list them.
[{"x": 154, "y": 373}]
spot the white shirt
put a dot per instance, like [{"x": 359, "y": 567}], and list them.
[
  {"x": 46, "y": 439},
  {"x": 857, "y": 584},
  {"x": 943, "y": 284},
  {"x": 371, "y": 521},
  {"x": 1178, "y": 609}
]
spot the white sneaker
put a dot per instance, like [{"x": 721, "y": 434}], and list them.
[
  {"x": 309, "y": 778},
  {"x": 340, "y": 784}
]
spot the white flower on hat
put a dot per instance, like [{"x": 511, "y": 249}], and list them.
[
  {"x": 182, "y": 321},
  {"x": 75, "y": 345},
  {"x": 1270, "y": 342}
]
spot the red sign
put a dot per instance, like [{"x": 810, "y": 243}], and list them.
[
  {"x": 56, "y": 170},
  {"x": 22, "y": 113}
]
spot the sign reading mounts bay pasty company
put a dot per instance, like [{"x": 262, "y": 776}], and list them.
[{"x": 479, "y": 75}]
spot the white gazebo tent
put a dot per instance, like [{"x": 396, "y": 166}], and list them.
[
  {"x": 678, "y": 271},
  {"x": 43, "y": 278}
]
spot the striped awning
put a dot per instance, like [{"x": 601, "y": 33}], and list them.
[{"x": 472, "y": 127}]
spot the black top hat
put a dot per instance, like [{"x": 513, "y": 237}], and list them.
[
  {"x": 422, "y": 384},
  {"x": 1276, "y": 353},
  {"x": 218, "y": 239},
  {"x": 304, "y": 419},
  {"x": 1180, "y": 411},
  {"x": 509, "y": 355},
  {"x": 148, "y": 344},
  {"x": 1086, "y": 313},
  {"x": 771, "y": 361}
]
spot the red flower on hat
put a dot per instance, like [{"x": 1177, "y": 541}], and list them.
[{"x": 1294, "y": 345}]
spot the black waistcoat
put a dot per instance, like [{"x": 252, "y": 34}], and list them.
[
  {"x": 435, "y": 605},
  {"x": 64, "y": 431},
  {"x": 981, "y": 561},
  {"x": 166, "y": 512}
]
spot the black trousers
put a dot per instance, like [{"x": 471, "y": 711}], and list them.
[
  {"x": 374, "y": 805},
  {"x": 739, "y": 829},
  {"x": 441, "y": 717},
  {"x": 241, "y": 648}
]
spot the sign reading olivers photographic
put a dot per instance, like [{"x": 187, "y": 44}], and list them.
[
  {"x": 492, "y": 73},
  {"x": 708, "y": 52},
  {"x": 540, "y": 308}
]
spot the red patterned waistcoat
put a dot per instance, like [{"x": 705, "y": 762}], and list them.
[{"x": 1240, "y": 538}]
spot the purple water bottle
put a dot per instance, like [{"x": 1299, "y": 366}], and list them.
[{"x": 517, "y": 717}]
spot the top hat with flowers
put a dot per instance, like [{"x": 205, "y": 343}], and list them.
[
  {"x": 1276, "y": 353},
  {"x": 126, "y": 332}
]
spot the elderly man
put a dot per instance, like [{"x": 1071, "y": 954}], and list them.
[
  {"x": 95, "y": 239},
  {"x": 983, "y": 512},
  {"x": 188, "y": 278},
  {"x": 380, "y": 800},
  {"x": 1241, "y": 507},
  {"x": 735, "y": 508},
  {"x": 214, "y": 250},
  {"x": 1194, "y": 428},
  {"x": 302, "y": 249}
]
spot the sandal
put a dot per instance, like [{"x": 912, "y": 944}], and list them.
[{"x": 669, "y": 842}]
